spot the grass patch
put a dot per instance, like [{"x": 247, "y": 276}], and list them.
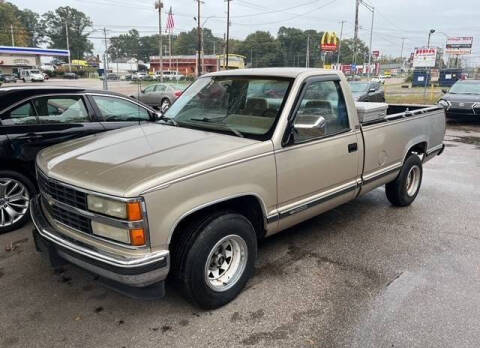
[{"x": 429, "y": 99}]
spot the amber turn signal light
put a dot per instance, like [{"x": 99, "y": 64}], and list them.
[
  {"x": 134, "y": 211},
  {"x": 137, "y": 237}
]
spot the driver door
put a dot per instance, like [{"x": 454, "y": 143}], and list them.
[{"x": 319, "y": 167}]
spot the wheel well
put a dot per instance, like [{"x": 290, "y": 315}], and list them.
[
  {"x": 20, "y": 167},
  {"x": 419, "y": 149},
  {"x": 248, "y": 206}
]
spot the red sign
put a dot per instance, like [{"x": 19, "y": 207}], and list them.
[{"x": 376, "y": 54}]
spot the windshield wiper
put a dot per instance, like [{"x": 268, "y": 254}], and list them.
[
  {"x": 168, "y": 120},
  {"x": 223, "y": 125}
]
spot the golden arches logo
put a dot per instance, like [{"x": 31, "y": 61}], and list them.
[{"x": 329, "y": 41}]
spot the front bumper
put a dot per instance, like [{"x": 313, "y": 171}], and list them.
[{"x": 135, "y": 276}]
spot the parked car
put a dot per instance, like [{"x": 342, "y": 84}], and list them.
[
  {"x": 170, "y": 75},
  {"x": 8, "y": 78},
  {"x": 139, "y": 76},
  {"x": 32, "y": 118},
  {"x": 159, "y": 96},
  {"x": 462, "y": 101},
  {"x": 31, "y": 75},
  {"x": 110, "y": 76},
  {"x": 364, "y": 91},
  {"x": 70, "y": 76},
  {"x": 229, "y": 166}
]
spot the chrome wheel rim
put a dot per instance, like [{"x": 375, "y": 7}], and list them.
[
  {"x": 165, "y": 105},
  {"x": 413, "y": 180},
  {"x": 226, "y": 262},
  {"x": 14, "y": 201}
]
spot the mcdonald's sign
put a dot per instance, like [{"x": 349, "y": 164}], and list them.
[{"x": 329, "y": 42}]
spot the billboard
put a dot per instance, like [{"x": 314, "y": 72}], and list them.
[
  {"x": 424, "y": 57},
  {"x": 459, "y": 45},
  {"x": 376, "y": 54},
  {"x": 329, "y": 42}
]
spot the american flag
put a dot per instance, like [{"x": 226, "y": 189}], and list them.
[{"x": 170, "y": 22}]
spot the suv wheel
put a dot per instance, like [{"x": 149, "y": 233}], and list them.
[
  {"x": 15, "y": 193},
  {"x": 404, "y": 189},
  {"x": 219, "y": 261}
]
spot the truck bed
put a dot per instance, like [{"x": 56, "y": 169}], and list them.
[{"x": 398, "y": 111}]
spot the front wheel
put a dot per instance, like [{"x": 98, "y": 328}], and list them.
[
  {"x": 165, "y": 105},
  {"x": 15, "y": 193},
  {"x": 220, "y": 260},
  {"x": 404, "y": 189}
]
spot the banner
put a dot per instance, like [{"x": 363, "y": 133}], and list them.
[
  {"x": 459, "y": 45},
  {"x": 424, "y": 57}
]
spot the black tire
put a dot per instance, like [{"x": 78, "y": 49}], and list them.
[
  {"x": 399, "y": 192},
  {"x": 189, "y": 261},
  {"x": 31, "y": 190}
]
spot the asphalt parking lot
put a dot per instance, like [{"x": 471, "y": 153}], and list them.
[{"x": 363, "y": 275}]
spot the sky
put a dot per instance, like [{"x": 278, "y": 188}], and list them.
[{"x": 394, "y": 19}]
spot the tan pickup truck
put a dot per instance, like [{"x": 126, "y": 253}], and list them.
[{"x": 241, "y": 155}]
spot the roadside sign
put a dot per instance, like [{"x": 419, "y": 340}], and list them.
[
  {"x": 424, "y": 57},
  {"x": 329, "y": 42},
  {"x": 376, "y": 54},
  {"x": 459, "y": 45}
]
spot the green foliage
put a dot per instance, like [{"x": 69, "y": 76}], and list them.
[
  {"x": 11, "y": 15},
  {"x": 53, "y": 25},
  {"x": 262, "y": 49}
]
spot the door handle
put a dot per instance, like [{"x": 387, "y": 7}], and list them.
[{"x": 352, "y": 147}]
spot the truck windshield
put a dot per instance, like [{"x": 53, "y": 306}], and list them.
[
  {"x": 466, "y": 88},
  {"x": 238, "y": 105}
]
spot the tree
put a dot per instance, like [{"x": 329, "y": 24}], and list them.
[
  {"x": 9, "y": 18},
  {"x": 53, "y": 24},
  {"x": 346, "y": 54},
  {"x": 261, "y": 49},
  {"x": 31, "y": 22},
  {"x": 125, "y": 45}
]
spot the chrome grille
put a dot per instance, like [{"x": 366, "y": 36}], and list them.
[
  {"x": 70, "y": 219},
  {"x": 62, "y": 193}
]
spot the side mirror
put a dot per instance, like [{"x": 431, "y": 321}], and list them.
[
  {"x": 310, "y": 125},
  {"x": 157, "y": 115},
  {"x": 444, "y": 91}
]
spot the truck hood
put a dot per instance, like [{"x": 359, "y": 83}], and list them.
[{"x": 128, "y": 161}]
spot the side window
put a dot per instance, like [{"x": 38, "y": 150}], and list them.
[
  {"x": 22, "y": 115},
  {"x": 116, "y": 109},
  {"x": 61, "y": 109},
  {"x": 149, "y": 89},
  {"x": 160, "y": 88},
  {"x": 322, "y": 112}
]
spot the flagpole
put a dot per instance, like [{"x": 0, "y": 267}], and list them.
[{"x": 170, "y": 49}]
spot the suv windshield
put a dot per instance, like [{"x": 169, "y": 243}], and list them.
[
  {"x": 244, "y": 106},
  {"x": 466, "y": 88}
]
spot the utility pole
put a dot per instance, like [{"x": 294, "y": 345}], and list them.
[
  {"x": 355, "y": 35},
  {"x": 11, "y": 32},
  {"x": 307, "y": 57},
  {"x": 372, "y": 9},
  {"x": 68, "y": 48},
  {"x": 401, "y": 51},
  {"x": 340, "y": 43},
  {"x": 159, "y": 6},
  {"x": 199, "y": 43},
  {"x": 228, "y": 32},
  {"x": 105, "y": 62}
]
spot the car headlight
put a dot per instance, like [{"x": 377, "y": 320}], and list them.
[
  {"x": 130, "y": 211},
  {"x": 445, "y": 103},
  {"x": 107, "y": 206}
]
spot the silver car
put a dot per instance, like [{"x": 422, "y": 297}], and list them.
[{"x": 159, "y": 96}]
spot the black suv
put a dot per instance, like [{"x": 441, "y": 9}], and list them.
[{"x": 32, "y": 118}]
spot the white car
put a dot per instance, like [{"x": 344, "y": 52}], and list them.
[
  {"x": 139, "y": 76},
  {"x": 170, "y": 75},
  {"x": 31, "y": 75}
]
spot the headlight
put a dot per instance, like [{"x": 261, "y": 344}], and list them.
[
  {"x": 107, "y": 206},
  {"x": 445, "y": 103},
  {"x": 111, "y": 232}
]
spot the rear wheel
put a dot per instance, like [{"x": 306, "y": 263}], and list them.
[
  {"x": 219, "y": 260},
  {"x": 16, "y": 190},
  {"x": 404, "y": 189}
]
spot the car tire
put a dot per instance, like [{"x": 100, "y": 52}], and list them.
[
  {"x": 14, "y": 213},
  {"x": 215, "y": 259},
  {"x": 404, "y": 189}
]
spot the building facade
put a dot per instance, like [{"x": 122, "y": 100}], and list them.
[{"x": 12, "y": 59}]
